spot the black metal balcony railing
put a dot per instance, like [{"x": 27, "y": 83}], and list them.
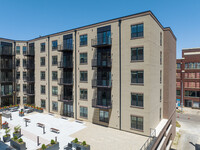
[
  {"x": 6, "y": 80},
  {"x": 2, "y": 94},
  {"x": 66, "y": 47},
  {"x": 6, "y": 51},
  {"x": 104, "y": 104},
  {"x": 7, "y": 66},
  {"x": 61, "y": 64},
  {"x": 65, "y": 81},
  {"x": 101, "y": 41},
  {"x": 102, "y": 63},
  {"x": 29, "y": 92},
  {"x": 29, "y": 53},
  {"x": 101, "y": 83},
  {"x": 64, "y": 98},
  {"x": 29, "y": 79},
  {"x": 29, "y": 65}
]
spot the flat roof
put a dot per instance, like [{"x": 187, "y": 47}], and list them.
[
  {"x": 98, "y": 137},
  {"x": 102, "y": 23}
]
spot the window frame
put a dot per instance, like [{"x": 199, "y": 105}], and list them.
[
  {"x": 83, "y": 114},
  {"x": 85, "y": 62},
  {"x": 84, "y": 42},
  {"x": 137, "y": 83},
  {"x": 137, "y": 60},
  {"x": 83, "y": 97},
  {"x": 137, "y": 128},
  {"x": 81, "y": 71},
  {"x": 137, "y": 37},
  {"x": 42, "y": 47},
  {"x": 137, "y": 100}
]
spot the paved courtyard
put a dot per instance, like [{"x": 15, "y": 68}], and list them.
[{"x": 97, "y": 136}]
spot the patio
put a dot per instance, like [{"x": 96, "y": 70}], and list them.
[{"x": 96, "y": 136}]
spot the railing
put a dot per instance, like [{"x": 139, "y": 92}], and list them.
[
  {"x": 67, "y": 47},
  {"x": 100, "y": 104},
  {"x": 7, "y": 66},
  {"x": 150, "y": 141},
  {"x": 101, "y": 83},
  {"x": 6, "y": 51},
  {"x": 29, "y": 79},
  {"x": 29, "y": 92},
  {"x": 6, "y": 80},
  {"x": 102, "y": 63},
  {"x": 29, "y": 65},
  {"x": 29, "y": 53},
  {"x": 5, "y": 94},
  {"x": 101, "y": 41},
  {"x": 64, "y": 98},
  {"x": 65, "y": 81},
  {"x": 61, "y": 64}
]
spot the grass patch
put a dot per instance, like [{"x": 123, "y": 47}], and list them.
[
  {"x": 178, "y": 111},
  {"x": 177, "y": 124}
]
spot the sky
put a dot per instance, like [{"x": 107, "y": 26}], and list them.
[{"x": 28, "y": 19}]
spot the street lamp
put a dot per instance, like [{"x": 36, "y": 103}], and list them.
[{"x": 182, "y": 73}]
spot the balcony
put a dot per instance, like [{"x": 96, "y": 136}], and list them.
[
  {"x": 29, "y": 65},
  {"x": 101, "y": 41},
  {"x": 102, "y": 63},
  {"x": 103, "y": 104},
  {"x": 7, "y": 51},
  {"x": 61, "y": 64},
  {"x": 64, "y": 98},
  {"x": 29, "y": 92},
  {"x": 6, "y": 80},
  {"x": 101, "y": 83},
  {"x": 7, "y": 66},
  {"x": 29, "y": 53},
  {"x": 65, "y": 81},
  {"x": 67, "y": 47},
  {"x": 29, "y": 79}
]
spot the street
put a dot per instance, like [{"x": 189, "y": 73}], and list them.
[{"x": 190, "y": 131}]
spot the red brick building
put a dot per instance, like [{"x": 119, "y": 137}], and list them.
[{"x": 188, "y": 78}]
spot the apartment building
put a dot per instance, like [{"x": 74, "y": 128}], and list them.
[
  {"x": 118, "y": 73},
  {"x": 188, "y": 78}
]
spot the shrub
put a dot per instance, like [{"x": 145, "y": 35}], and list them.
[
  {"x": 84, "y": 143},
  {"x": 76, "y": 140},
  {"x": 17, "y": 128},
  {"x": 7, "y": 131},
  {"x": 53, "y": 142},
  {"x": 43, "y": 147},
  {"x": 20, "y": 140},
  {"x": 15, "y": 137}
]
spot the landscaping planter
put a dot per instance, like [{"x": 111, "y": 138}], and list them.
[
  {"x": 4, "y": 126},
  {"x": 17, "y": 145},
  {"x": 21, "y": 115},
  {"x": 6, "y": 138},
  {"x": 17, "y": 134},
  {"x": 53, "y": 147},
  {"x": 40, "y": 111},
  {"x": 76, "y": 145}
]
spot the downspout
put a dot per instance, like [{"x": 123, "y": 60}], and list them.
[
  {"x": 120, "y": 75},
  {"x": 14, "y": 76},
  {"x": 48, "y": 76},
  {"x": 75, "y": 79}
]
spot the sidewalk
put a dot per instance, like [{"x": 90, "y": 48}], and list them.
[{"x": 191, "y": 111}]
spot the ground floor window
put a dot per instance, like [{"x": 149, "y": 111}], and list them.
[
  {"x": 43, "y": 103},
  {"x": 84, "y": 112},
  {"x": 137, "y": 122},
  {"x": 104, "y": 116},
  {"x": 55, "y": 106},
  {"x": 24, "y": 100},
  {"x": 18, "y": 100}
]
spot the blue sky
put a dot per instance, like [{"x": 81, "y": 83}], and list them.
[{"x": 27, "y": 19}]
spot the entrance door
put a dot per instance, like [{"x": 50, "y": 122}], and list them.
[
  {"x": 188, "y": 103},
  {"x": 68, "y": 110}
]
